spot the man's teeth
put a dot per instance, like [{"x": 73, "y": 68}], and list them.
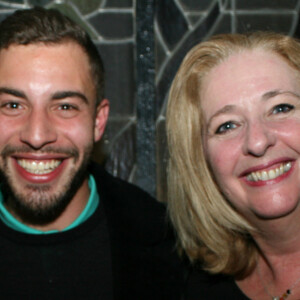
[
  {"x": 38, "y": 167},
  {"x": 271, "y": 174}
]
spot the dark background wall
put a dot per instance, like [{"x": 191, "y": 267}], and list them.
[{"x": 142, "y": 43}]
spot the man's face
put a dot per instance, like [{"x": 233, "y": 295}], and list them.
[{"x": 48, "y": 124}]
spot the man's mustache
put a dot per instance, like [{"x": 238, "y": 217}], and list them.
[{"x": 9, "y": 150}]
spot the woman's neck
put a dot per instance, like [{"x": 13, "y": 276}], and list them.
[{"x": 278, "y": 266}]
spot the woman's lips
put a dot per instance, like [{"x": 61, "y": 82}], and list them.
[{"x": 270, "y": 174}]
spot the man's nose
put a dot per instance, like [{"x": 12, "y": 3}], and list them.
[
  {"x": 38, "y": 130},
  {"x": 259, "y": 138}
]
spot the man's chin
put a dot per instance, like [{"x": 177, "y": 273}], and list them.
[{"x": 40, "y": 204}]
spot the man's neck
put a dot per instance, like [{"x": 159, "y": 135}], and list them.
[{"x": 67, "y": 217}]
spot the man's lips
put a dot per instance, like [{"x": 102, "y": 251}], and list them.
[
  {"x": 39, "y": 171},
  {"x": 39, "y": 167}
]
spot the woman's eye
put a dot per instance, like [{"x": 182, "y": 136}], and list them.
[
  {"x": 226, "y": 127},
  {"x": 282, "y": 108}
]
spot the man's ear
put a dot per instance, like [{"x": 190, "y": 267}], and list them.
[{"x": 101, "y": 119}]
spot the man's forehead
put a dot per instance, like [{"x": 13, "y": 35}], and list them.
[
  {"x": 65, "y": 66},
  {"x": 63, "y": 54}
]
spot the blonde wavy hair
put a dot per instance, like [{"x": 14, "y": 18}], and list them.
[{"x": 209, "y": 229}]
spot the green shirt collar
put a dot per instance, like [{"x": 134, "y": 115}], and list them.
[{"x": 89, "y": 209}]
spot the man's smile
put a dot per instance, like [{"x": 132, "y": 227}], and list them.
[
  {"x": 40, "y": 170},
  {"x": 39, "y": 167}
]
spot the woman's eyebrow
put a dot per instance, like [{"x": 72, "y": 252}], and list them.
[
  {"x": 223, "y": 110},
  {"x": 272, "y": 94},
  {"x": 265, "y": 97}
]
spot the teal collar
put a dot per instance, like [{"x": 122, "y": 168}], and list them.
[{"x": 89, "y": 209}]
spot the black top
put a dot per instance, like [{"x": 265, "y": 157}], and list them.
[
  {"x": 202, "y": 285},
  {"x": 125, "y": 250}
]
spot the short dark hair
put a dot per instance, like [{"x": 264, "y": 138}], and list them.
[{"x": 40, "y": 25}]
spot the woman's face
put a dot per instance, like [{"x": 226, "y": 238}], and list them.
[{"x": 251, "y": 105}]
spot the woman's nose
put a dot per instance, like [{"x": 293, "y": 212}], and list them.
[{"x": 259, "y": 138}]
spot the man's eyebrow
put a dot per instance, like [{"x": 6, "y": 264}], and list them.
[
  {"x": 55, "y": 96},
  {"x": 69, "y": 94},
  {"x": 13, "y": 92}
]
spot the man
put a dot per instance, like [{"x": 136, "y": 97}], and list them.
[{"x": 68, "y": 230}]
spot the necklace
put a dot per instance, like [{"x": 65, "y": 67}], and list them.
[{"x": 285, "y": 295}]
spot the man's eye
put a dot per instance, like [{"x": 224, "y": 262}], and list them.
[
  {"x": 66, "y": 107},
  {"x": 282, "y": 108},
  {"x": 12, "y": 108},
  {"x": 226, "y": 127},
  {"x": 11, "y": 105},
  {"x": 66, "y": 110}
]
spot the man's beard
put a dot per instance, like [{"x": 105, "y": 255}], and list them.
[{"x": 38, "y": 206}]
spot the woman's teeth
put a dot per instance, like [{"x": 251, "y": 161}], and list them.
[
  {"x": 271, "y": 174},
  {"x": 38, "y": 167}
]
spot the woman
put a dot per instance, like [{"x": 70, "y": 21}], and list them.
[{"x": 233, "y": 126}]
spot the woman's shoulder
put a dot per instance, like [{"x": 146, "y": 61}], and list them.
[{"x": 202, "y": 285}]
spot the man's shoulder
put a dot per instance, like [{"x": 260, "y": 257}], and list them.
[
  {"x": 129, "y": 208},
  {"x": 146, "y": 264},
  {"x": 118, "y": 188}
]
